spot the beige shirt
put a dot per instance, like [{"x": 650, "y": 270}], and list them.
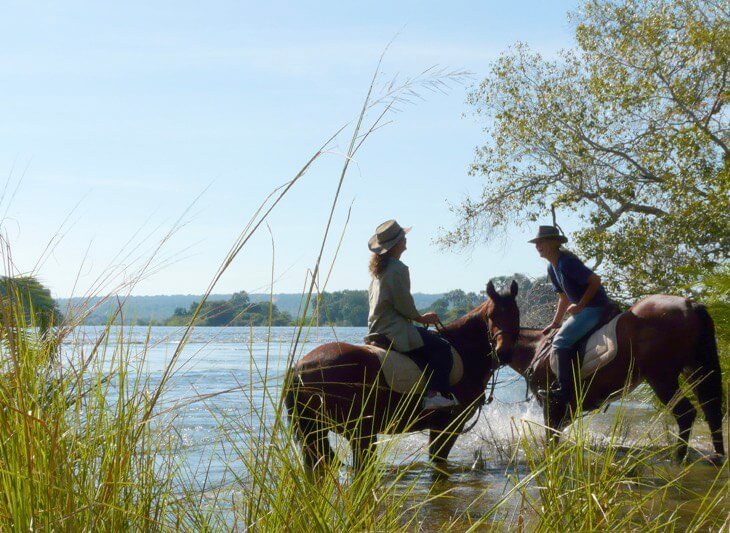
[{"x": 392, "y": 308}]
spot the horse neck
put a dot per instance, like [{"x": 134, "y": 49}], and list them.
[
  {"x": 525, "y": 348},
  {"x": 470, "y": 337}
]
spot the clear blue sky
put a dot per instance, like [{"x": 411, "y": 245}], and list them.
[{"x": 118, "y": 115}]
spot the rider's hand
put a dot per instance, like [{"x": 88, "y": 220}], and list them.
[
  {"x": 574, "y": 309},
  {"x": 550, "y": 327},
  {"x": 429, "y": 318}
]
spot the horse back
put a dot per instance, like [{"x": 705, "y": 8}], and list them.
[
  {"x": 664, "y": 331},
  {"x": 338, "y": 362},
  {"x": 662, "y": 316}
]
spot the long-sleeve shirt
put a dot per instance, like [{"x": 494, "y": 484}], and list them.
[{"x": 392, "y": 307}]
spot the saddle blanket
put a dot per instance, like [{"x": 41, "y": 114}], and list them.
[
  {"x": 403, "y": 375},
  {"x": 601, "y": 348}
]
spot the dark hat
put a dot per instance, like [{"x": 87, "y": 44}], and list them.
[
  {"x": 387, "y": 235},
  {"x": 549, "y": 232}
]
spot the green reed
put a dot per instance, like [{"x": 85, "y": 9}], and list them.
[{"x": 74, "y": 456}]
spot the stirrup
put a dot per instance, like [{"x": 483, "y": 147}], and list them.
[
  {"x": 439, "y": 401},
  {"x": 553, "y": 394}
]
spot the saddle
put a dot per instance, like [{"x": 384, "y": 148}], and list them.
[
  {"x": 404, "y": 374},
  {"x": 595, "y": 349}
]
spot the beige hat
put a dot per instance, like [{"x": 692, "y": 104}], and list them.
[{"x": 387, "y": 235}]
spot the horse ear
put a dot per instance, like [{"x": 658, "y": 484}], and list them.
[
  {"x": 490, "y": 291},
  {"x": 513, "y": 289}
]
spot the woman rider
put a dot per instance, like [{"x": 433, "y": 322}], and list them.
[
  {"x": 581, "y": 296},
  {"x": 392, "y": 309}
]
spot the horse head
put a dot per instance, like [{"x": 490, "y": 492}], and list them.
[{"x": 503, "y": 321}]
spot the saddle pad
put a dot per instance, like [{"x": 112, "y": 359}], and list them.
[
  {"x": 403, "y": 375},
  {"x": 601, "y": 348}
]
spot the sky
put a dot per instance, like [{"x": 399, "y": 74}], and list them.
[{"x": 122, "y": 122}]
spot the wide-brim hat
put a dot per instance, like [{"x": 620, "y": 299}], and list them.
[
  {"x": 549, "y": 232},
  {"x": 387, "y": 235}
]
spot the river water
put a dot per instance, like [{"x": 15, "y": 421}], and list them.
[{"x": 222, "y": 374}]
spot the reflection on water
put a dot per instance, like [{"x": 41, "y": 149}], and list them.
[{"x": 241, "y": 367}]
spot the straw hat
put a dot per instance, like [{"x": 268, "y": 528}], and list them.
[
  {"x": 387, "y": 235},
  {"x": 549, "y": 232}
]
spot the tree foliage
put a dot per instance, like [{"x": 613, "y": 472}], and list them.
[
  {"x": 343, "y": 308},
  {"x": 32, "y": 297},
  {"x": 630, "y": 130}
]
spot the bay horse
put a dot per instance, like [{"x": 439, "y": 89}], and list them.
[
  {"x": 660, "y": 338},
  {"x": 339, "y": 387}
]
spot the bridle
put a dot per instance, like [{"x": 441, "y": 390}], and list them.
[
  {"x": 496, "y": 364},
  {"x": 496, "y": 361}
]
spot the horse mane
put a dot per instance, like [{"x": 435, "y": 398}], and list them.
[
  {"x": 478, "y": 313},
  {"x": 469, "y": 332}
]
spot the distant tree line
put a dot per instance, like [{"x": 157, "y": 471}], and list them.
[
  {"x": 347, "y": 308},
  {"x": 341, "y": 308},
  {"x": 350, "y": 307},
  {"x": 237, "y": 311}
]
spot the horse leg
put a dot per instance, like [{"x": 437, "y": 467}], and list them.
[
  {"x": 709, "y": 385},
  {"x": 709, "y": 394},
  {"x": 363, "y": 450},
  {"x": 555, "y": 415},
  {"x": 440, "y": 444},
  {"x": 306, "y": 416},
  {"x": 316, "y": 449},
  {"x": 683, "y": 411}
]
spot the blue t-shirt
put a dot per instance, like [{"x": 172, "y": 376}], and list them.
[{"x": 571, "y": 277}]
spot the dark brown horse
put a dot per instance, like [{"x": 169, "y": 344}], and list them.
[
  {"x": 659, "y": 338},
  {"x": 339, "y": 387}
]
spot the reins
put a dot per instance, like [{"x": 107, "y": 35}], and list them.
[{"x": 495, "y": 374}]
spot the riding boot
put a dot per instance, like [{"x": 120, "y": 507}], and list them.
[
  {"x": 565, "y": 372},
  {"x": 563, "y": 393}
]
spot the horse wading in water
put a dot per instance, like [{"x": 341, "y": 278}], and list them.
[
  {"x": 659, "y": 339},
  {"x": 340, "y": 387}
]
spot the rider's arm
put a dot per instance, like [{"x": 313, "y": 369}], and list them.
[
  {"x": 563, "y": 304},
  {"x": 594, "y": 283}
]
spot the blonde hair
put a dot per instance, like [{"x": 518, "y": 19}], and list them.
[{"x": 378, "y": 264}]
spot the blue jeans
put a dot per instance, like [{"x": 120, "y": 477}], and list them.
[
  {"x": 576, "y": 326},
  {"x": 436, "y": 353}
]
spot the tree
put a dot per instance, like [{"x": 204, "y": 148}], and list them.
[
  {"x": 29, "y": 295},
  {"x": 631, "y": 130}
]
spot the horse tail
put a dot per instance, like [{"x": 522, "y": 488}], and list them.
[
  {"x": 292, "y": 387},
  {"x": 706, "y": 353},
  {"x": 709, "y": 385}
]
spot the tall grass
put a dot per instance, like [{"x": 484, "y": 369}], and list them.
[
  {"x": 585, "y": 483},
  {"x": 73, "y": 453}
]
